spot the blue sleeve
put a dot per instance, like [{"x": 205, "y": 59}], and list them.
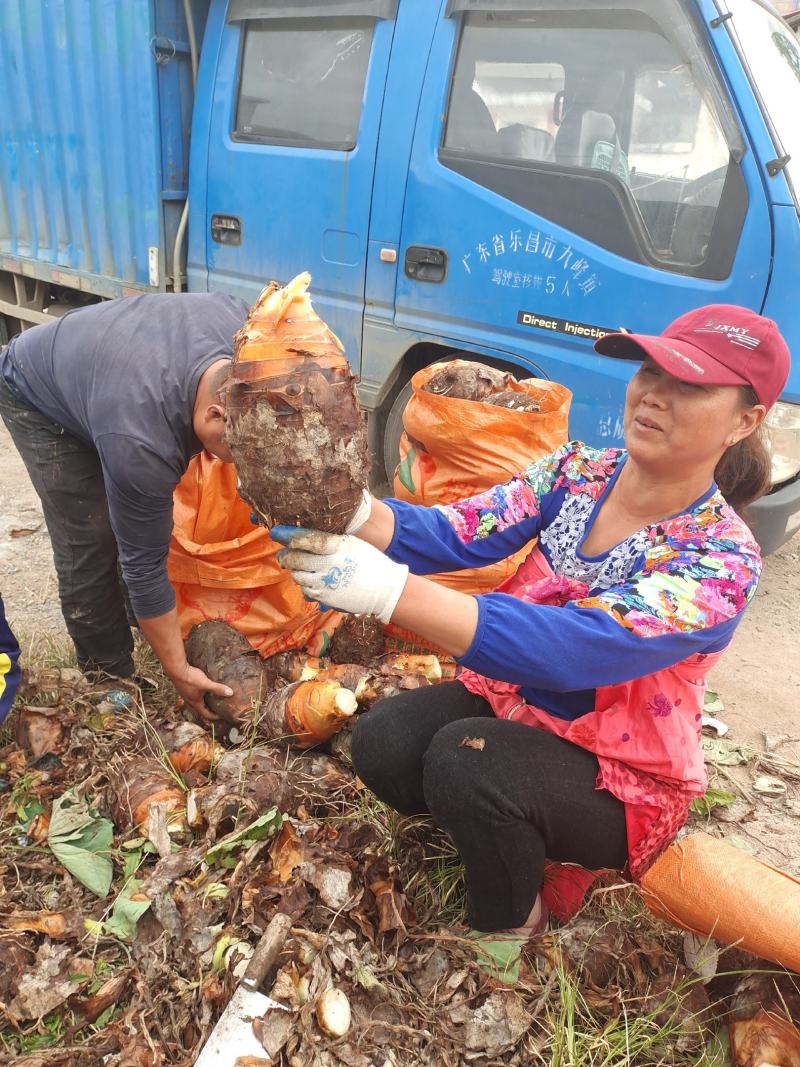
[
  {"x": 478, "y": 531},
  {"x": 139, "y": 486},
  {"x": 9, "y": 665},
  {"x": 563, "y": 649},
  {"x": 680, "y": 603}
]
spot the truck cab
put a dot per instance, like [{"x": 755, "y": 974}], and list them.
[{"x": 505, "y": 178}]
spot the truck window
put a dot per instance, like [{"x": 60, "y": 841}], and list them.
[
  {"x": 539, "y": 93},
  {"x": 772, "y": 53},
  {"x": 302, "y": 81}
]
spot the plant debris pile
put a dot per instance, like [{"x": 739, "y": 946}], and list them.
[{"x": 143, "y": 856}]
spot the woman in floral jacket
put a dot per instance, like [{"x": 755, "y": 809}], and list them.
[{"x": 573, "y": 730}]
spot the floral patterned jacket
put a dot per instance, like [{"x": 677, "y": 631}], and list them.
[{"x": 615, "y": 658}]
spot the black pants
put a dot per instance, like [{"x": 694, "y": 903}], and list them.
[
  {"x": 68, "y": 478},
  {"x": 525, "y": 795}
]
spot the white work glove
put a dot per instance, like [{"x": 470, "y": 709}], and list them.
[
  {"x": 342, "y": 572},
  {"x": 361, "y": 514}
]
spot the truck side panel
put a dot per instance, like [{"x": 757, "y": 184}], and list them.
[{"x": 91, "y": 150}]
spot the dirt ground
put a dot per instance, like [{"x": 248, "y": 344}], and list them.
[{"x": 758, "y": 680}]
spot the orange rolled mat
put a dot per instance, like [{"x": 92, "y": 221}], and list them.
[{"x": 713, "y": 889}]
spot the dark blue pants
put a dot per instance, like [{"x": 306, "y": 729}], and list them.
[
  {"x": 523, "y": 796},
  {"x": 68, "y": 478}
]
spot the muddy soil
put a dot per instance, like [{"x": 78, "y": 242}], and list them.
[{"x": 758, "y": 680}]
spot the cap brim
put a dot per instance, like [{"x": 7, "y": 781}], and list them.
[{"x": 678, "y": 358}]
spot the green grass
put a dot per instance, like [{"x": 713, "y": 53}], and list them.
[
  {"x": 637, "y": 1035},
  {"x": 430, "y": 869},
  {"x": 48, "y": 1034}
]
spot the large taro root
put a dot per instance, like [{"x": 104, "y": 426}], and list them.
[
  {"x": 293, "y": 421},
  {"x": 512, "y": 400},
  {"x": 306, "y": 714},
  {"x": 139, "y": 782},
  {"x": 462, "y": 379},
  {"x": 226, "y": 656},
  {"x": 189, "y": 747}
]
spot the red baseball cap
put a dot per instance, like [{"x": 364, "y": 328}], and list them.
[{"x": 720, "y": 344}]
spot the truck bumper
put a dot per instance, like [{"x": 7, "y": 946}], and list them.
[{"x": 776, "y": 517}]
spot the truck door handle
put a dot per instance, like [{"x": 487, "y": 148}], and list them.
[
  {"x": 425, "y": 264},
  {"x": 226, "y": 229}
]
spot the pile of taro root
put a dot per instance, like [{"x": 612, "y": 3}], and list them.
[
  {"x": 465, "y": 380},
  {"x": 143, "y": 855}
]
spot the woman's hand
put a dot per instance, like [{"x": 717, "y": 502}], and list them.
[{"x": 342, "y": 571}]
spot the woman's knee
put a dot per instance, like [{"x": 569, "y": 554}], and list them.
[
  {"x": 371, "y": 745},
  {"x": 386, "y": 748},
  {"x": 452, "y": 770}
]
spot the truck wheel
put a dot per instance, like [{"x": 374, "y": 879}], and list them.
[
  {"x": 394, "y": 420},
  {"x": 393, "y": 430}
]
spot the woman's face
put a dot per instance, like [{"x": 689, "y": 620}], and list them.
[{"x": 680, "y": 425}]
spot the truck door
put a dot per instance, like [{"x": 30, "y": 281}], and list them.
[
  {"x": 293, "y": 130},
  {"x": 576, "y": 168}
]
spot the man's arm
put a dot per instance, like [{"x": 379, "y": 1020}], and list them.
[{"x": 139, "y": 490}]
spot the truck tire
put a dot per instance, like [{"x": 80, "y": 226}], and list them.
[
  {"x": 393, "y": 430},
  {"x": 394, "y": 420}
]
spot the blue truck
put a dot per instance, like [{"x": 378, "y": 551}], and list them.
[{"x": 508, "y": 179}]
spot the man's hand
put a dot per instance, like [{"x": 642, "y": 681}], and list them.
[
  {"x": 164, "y": 635},
  {"x": 192, "y": 685},
  {"x": 342, "y": 571}
]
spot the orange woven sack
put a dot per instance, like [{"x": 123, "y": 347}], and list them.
[
  {"x": 224, "y": 567},
  {"x": 713, "y": 889},
  {"x": 451, "y": 449}
]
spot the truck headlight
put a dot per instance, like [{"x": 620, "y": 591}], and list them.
[{"x": 783, "y": 437}]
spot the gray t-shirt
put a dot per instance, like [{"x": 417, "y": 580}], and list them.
[{"x": 123, "y": 375}]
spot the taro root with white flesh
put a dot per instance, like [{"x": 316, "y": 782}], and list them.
[
  {"x": 293, "y": 421},
  {"x": 333, "y": 1012},
  {"x": 307, "y": 712},
  {"x": 226, "y": 656}
]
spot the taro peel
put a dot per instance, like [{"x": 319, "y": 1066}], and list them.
[{"x": 293, "y": 421}]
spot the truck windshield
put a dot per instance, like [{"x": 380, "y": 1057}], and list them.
[{"x": 773, "y": 55}]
